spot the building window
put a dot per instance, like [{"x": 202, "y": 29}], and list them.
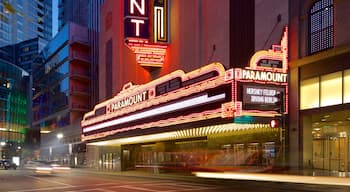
[
  {"x": 331, "y": 89},
  {"x": 309, "y": 93},
  {"x": 326, "y": 90},
  {"x": 321, "y": 28},
  {"x": 347, "y": 86}
]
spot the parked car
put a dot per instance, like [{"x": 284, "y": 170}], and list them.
[{"x": 7, "y": 164}]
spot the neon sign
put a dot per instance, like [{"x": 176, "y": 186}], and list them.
[
  {"x": 147, "y": 55},
  {"x": 150, "y": 51},
  {"x": 127, "y": 102},
  {"x": 260, "y": 97},
  {"x": 136, "y": 19},
  {"x": 200, "y": 95},
  {"x": 264, "y": 76},
  {"x": 160, "y": 18},
  {"x": 275, "y": 58},
  {"x": 255, "y": 87}
]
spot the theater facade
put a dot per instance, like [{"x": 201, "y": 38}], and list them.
[{"x": 211, "y": 118}]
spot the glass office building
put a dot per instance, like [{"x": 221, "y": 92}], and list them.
[
  {"x": 22, "y": 54},
  {"x": 15, "y": 86}
]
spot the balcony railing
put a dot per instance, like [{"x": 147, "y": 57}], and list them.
[
  {"x": 84, "y": 76},
  {"x": 79, "y": 41},
  {"x": 80, "y": 91}
]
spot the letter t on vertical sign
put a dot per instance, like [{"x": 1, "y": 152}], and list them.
[
  {"x": 160, "y": 21},
  {"x": 136, "y": 22}
]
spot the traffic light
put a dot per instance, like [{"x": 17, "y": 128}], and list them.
[
  {"x": 274, "y": 123},
  {"x": 280, "y": 102}
]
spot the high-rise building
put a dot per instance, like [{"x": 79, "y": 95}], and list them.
[
  {"x": 72, "y": 55},
  {"x": 84, "y": 13},
  {"x": 22, "y": 54},
  {"x": 319, "y": 54},
  {"x": 23, "y": 20},
  {"x": 62, "y": 91},
  {"x": 15, "y": 86}
]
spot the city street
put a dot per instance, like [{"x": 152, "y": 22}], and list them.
[{"x": 85, "y": 180}]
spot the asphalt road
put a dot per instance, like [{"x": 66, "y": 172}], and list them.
[{"x": 78, "y": 180}]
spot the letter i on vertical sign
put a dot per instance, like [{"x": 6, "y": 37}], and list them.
[{"x": 160, "y": 28}]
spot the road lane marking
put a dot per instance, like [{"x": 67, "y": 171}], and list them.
[
  {"x": 138, "y": 188},
  {"x": 48, "y": 180},
  {"x": 186, "y": 186},
  {"x": 95, "y": 189}
]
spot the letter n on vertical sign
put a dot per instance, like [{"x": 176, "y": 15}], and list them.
[
  {"x": 136, "y": 22},
  {"x": 160, "y": 20}
]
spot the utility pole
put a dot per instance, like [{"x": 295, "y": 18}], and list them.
[{"x": 280, "y": 104}]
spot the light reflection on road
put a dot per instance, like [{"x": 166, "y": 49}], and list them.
[{"x": 323, "y": 180}]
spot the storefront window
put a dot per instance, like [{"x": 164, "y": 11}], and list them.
[
  {"x": 331, "y": 89},
  {"x": 309, "y": 93},
  {"x": 347, "y": 86}
]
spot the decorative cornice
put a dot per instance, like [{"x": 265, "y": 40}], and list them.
[{"x": 334, "y": 52}]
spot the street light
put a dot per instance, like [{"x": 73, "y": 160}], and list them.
[
  {"x": 2, "y": 143},
  {"x": 59, "y": 136}
]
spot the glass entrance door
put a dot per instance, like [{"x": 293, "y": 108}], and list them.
[
  {"x": 338, "y": 155},
  {"x": 331, "y": 153}
]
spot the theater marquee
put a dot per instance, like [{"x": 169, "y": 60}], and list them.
[{"x": 255, "y": 88}]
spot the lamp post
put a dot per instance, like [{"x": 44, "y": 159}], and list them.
[
  {"x": 59, "y": 135},
  {"x": 2, "y": 145},
  {"x": 56, "y": 145}
]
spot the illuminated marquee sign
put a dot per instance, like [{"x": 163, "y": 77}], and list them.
[
  {"x": 139, "y": 16},
  {"x": 255, "y": 87},
  {"x": 174, "y": 99},
  {"x": 260, "y": 97},
  {"x": 275, "y": 58},
  {"x": 264, "y": 76},
  {"x": 112, "y": 107}
]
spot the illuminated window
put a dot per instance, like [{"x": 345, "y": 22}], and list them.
[
  {"x": 331, "y": 89},
  {"x": 309, "y": 93},
  {"x": 321, "y": 28},
  {"x": 347, "y": 86}
]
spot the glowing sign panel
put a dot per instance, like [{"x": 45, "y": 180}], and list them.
[
  {"x": 136, "y": 28},
  {"x": 150, "y": 51},
  {"x": 148, "y": 55},
  {"x": 260, "y": 97},
  {"x": 263, "y": 76},
  {"x": 127, "y": 102},
  {"x": 136, "y": 19},
  {"x": 160, "y": 28}
]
